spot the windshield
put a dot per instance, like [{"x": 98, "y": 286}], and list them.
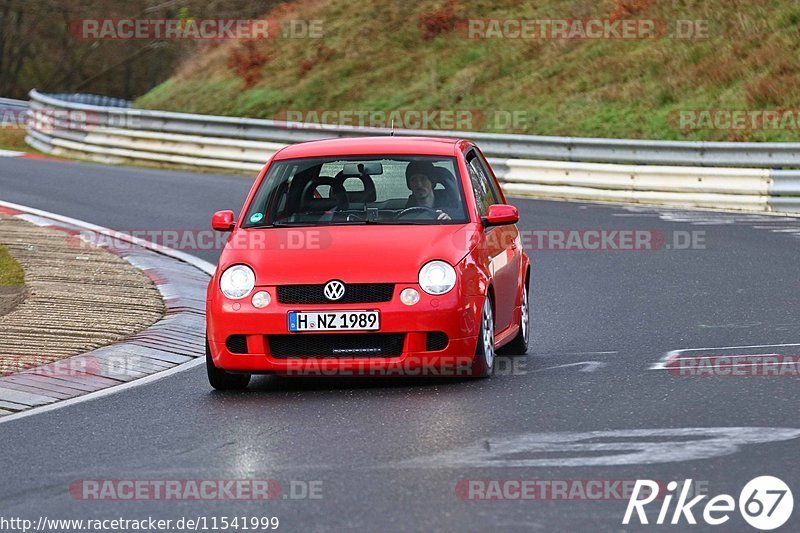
[{"x": 374, "y": 190}]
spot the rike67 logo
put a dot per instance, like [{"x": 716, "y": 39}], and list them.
[{"x": 765, "y": 503}]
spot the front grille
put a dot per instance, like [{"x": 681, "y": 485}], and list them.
[
  {"x": 354, "y": 293},
  {"x": 435, "y": 341},
  {"x": 236, "y": 344},
  {"x": 339, "y": 345}
]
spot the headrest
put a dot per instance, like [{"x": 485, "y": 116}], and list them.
[
  {"x": 369, "y": 194},
  {"x": 444, "y": 176}
]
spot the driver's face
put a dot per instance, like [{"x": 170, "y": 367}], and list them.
[{"x": 421, "y": 186}]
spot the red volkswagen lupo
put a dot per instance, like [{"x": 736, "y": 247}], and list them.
[{"x": 370, "y": 256}]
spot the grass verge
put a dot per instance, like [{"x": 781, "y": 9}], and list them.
[
  {"x": 13, "y": 139},
  {"x": 11, "y": 273}
]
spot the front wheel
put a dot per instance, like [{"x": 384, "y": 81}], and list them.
[
  {"x": 483, "y": 364},
  {"x": 221, "y": 380}
]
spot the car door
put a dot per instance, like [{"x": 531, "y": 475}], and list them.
[
  {"x": 501, "y": 241},
  {"x": 510, "y": 233}
]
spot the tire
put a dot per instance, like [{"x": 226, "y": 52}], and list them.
[
  {"x": 483, "y": 363},
  {"x": 221, "y": 380},
  {"x": 519, "y": 346}
]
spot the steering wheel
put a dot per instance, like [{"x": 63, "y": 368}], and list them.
[
  {"x": 310, "y": 194},
  {"x": 417, "y": 209}
]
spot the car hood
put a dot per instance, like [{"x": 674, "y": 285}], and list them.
[{"x": 353, "y": 254}]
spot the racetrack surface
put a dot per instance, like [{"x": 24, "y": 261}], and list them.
[{"x": 390, "y": 452}]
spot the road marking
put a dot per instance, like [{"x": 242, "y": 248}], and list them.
[
  {"x": 590, "y": 366},
  {"x": 675, "y": 354},
  {"x": 778, "y": 228},
  {"x": 562, "y": 354},
  {"x": 201, "y": 265},
  {"x": 602, "y": 448},
  {"x": 587, "y": 353},
  {"x": 734, "y": 355},
  {"x": 730, "y": 326}
]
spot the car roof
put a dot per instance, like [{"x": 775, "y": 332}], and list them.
[{"x": 358, "y": 146}]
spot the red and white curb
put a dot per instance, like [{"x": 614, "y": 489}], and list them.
[
  {"x": 28, "y": 155},
  {"x": 173, "y": 344}
]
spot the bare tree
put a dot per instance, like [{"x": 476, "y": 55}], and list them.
[{"x": 38, "y": 48}]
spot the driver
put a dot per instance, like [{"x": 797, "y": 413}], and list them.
[{"x": 419, "y": 179}]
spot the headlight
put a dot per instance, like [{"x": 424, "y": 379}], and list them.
[
  {"x": 437, "y": 277},
  {"x": 237, "y": 282}
]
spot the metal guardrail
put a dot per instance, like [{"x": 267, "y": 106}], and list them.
[
  {"x": 10, "y": 103},
  {"x": 638, "y": 152},
  {"x": 654, "y": 171}
]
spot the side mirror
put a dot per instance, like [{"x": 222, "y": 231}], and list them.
[
  {"x": 501, "y": 215},
  {"x": 222, "y": 221}
]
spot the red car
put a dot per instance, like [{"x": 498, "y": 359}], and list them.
[{"x": 368, "y": 256}]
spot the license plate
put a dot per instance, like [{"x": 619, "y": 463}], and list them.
[{"x": 334, "y": 321}]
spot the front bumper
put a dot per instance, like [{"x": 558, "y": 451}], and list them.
[{"x": 454, "y": 314}]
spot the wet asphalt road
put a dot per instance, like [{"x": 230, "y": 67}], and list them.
[{"x": 391, "y": 454}]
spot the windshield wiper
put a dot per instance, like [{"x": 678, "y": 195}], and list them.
[
  {"x": 297, "y": 224},
  {"x": 286, "y": 224},
  {"x": 409, "y": 222}
]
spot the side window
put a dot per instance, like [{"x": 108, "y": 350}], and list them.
[
  {"x": 498, "y": 196},
  {"x": 484, "y": 196}
]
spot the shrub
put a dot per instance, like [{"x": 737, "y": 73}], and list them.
[
  {"x": 247, "y": 62},
  {"x": 627, "y": 8},
  {"x": 442, "y": 20}
]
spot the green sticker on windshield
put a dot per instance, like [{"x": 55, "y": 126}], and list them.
[{"x": 256, "y": 217}]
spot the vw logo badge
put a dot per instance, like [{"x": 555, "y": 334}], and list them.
[{"x": 334, "y": 290}]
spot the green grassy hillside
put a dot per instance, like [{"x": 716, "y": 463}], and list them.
[{"x": 415, "y": 55}]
